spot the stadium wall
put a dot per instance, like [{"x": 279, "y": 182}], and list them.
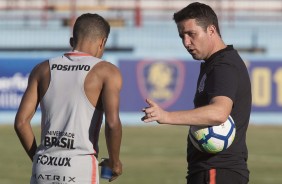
[{"x": 37, "y": 30}]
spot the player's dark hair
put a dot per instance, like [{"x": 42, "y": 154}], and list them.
[
  {"x": 202, "y": 13},
  {"x": 90, "y": 25}
]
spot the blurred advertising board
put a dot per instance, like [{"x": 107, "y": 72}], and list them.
[
  {"x": 14, "y": 73},
  {"x": 170, "y": 82}
]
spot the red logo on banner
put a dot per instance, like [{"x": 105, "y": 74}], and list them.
[{"x": 161, "y": 80}]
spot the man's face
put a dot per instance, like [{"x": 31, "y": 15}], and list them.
[{"x": 195, "y": 39}]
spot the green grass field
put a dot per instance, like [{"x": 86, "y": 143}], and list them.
[{"x": 154, "y": 155}]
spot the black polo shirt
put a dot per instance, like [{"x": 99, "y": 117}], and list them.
[{"x": 224, "y": 74}]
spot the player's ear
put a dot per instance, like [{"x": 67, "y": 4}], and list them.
[
  {"x": 71, "y": 42},
  {"x": 103, "y": 43},
  {"x": 101, "y": 46}
]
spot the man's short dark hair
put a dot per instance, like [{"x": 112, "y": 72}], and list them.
[
  {"x": 202, "y": 13},
  {"x": 92, "y": 26}
]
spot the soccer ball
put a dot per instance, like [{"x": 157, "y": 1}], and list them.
[{"x": 213, "y": 139}]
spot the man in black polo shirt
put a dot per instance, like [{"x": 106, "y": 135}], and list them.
[{"x": 223, "y": 89}]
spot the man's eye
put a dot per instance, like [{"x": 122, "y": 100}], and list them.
[{"x": 192, "y": 34}]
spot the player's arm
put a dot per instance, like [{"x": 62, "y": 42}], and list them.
[
  {"x": 113, "y": 129},
  {"x": 215, "y": 113},
  {"x": 25, "y": 113}
]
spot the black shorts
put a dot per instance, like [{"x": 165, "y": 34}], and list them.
[{"x": 217, "y": 176}]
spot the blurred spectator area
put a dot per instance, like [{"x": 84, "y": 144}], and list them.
[{"x": 46, "y": 24}]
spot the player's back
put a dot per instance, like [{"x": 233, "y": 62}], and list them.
[{"x": 70, "y": 124}]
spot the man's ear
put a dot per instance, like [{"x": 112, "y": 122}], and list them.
[
  {"x": 71, "y": 42},
  {"x": 211, "y": 30},
  {"x": 103, "y": 43},
  {"x": 101, "y": 47}
]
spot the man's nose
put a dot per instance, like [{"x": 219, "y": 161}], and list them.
[{"x": 186, "y": 41}]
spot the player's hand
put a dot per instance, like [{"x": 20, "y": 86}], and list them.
[
  {"x": 115, "y": 167},
  {"x": 117, "y": 170},
  {"x": 153, "y": 113}
]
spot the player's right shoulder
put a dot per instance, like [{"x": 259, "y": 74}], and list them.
[
  {"x": 106, "y": 64},
  {"x": 108, "y": 73},
  {"x": 107, "y": 68}
]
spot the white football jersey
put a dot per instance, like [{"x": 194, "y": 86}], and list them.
[{"x": 70, "y": 124}]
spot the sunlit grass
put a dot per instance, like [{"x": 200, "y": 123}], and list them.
[{"x": 153, "y": 155}]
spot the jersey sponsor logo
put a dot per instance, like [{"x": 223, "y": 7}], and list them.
[
  {"x": 62, "y": 142},
  {"x": 53, "y": 161},
  {"x": 202, "y": 83},
  {"x": 60, "y": 133},
  {"x": 56, "y": 179},
  {"x": 70, "y": 67}
]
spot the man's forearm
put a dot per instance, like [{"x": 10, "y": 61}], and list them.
[
  {"x": 113, "y": 138},
  {"x": 27, "y": 138}
]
